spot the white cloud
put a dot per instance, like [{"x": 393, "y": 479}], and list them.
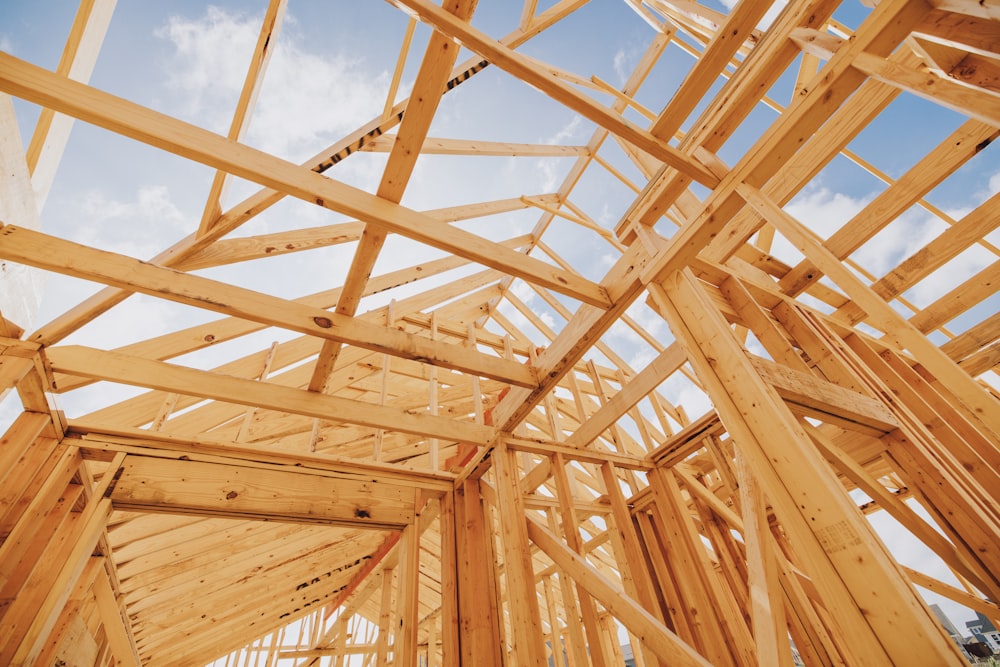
[
  {"x": 123, "y": 226},
  {"x": 994, "y": 184},
  {"x": 553, "y": 169},
  {"x": 823, "y": 210},
  {"x": 566, "y": 132},
  {"x": 621, "y": 62},
  {"x": 306, "y": 100},
  {"x": 899, "y": 240},
  {"x": 950, "y": 275}
]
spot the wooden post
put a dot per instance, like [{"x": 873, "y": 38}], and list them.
[
  {"x": 588, "y": 610},
  {"x": 522, "y": 596},
  {"x": 479, "y": 629},
  {"x": 409, "y": 587},
  {"x": 767, "y": 608},
  {"x": 628, "y": 552},
  {"x": 851, "y": 568},
  {"x": 450, "y": 650},
  {"x": 385, "y": 617}
]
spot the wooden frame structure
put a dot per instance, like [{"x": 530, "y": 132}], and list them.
[{"x": 461, "y": 477}]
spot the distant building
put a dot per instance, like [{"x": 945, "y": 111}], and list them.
[{"x": 984, "y": 630}]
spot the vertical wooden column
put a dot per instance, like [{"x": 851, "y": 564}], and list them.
[
  {"x": 588, "y": 610},
  {"x": 525, "y": 618},
  {"x": 552, "y": 612},
  {"x": 628, "y": 552},
  {"x": 872, "y": 602},
  {"x": 450, "y": 651},
  {"x": 384, "y": 619},
  {"x": 409, "y": 588},
  {"x": 767, "y": 604},
  {"x": 479, "y": 629}
]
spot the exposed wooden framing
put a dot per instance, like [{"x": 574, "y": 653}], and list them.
[
  {"x": 158, "y": 375},
  {"x": 146, "y": 125},
  {"x": 507, "y": 460},
  {"x": 193, "y": 290},
  {"x": 48, "y": 142},
  {"x": 838, "y": 539},
  {"x": 244, "y": 107},
  {"x": 438, "y": 60}
]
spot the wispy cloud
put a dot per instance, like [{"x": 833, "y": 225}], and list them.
[
  {"x": 122, "y": 225},
  {"x": 553, "y": 170},
  {"x": 623, "y": 65},
  {"x": 306, "y": 101}
]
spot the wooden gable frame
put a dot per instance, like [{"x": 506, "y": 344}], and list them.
[{"x": 476, "y": 470}]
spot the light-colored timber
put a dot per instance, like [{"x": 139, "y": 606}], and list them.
[{"x": 664, "y": 404}]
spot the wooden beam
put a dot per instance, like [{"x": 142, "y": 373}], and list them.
[
  {"x": 115, "y": 621},
  {"x": 896, "y": 327},
  {"x": 591, "y": 455},
  {"x": 811, "y": 396},
  {"x": 659, "y": 369},
  {"x": 47, "y": 252},
  {"x": 535, "y": 75},
  {"x": 957, "y": 96},
  {"x": 35, "y": 84},
  {"x": 211, "y": 489},
  {"x": 101, "y": 442},
  {"x": 650, "y": 631},
  {"x": 443, "y": 146},
  {"x": 116, "y": 367}
]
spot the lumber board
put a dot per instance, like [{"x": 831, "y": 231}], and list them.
[
  {"x": 121, "y": 271},
  {"x": 212, "y": 489},
  {"x": 89, "y": 362},
  {"x": 653, "y": 633},
  {"x": 33, "y": 83}
]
